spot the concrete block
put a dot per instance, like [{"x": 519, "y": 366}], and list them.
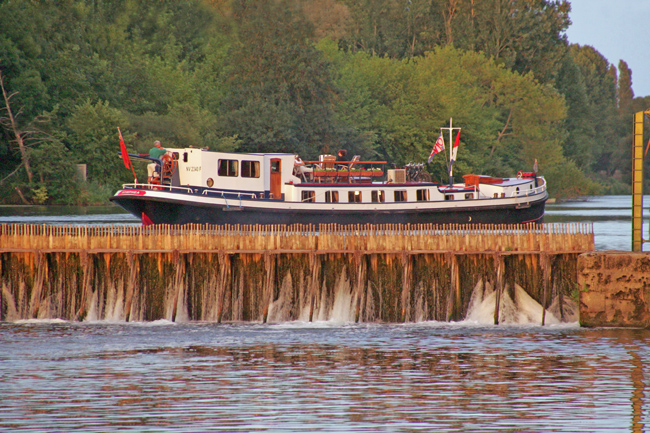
[{"x": 614, "y": 289}]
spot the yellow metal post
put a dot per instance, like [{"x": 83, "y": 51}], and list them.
[{"x": 637, "y": 182}]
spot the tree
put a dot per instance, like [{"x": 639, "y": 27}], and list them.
[
  {"x": 280, "y": 91},
  {"x": 20, "y": 136},
  {"x": 92, "y": 136},
  {"x": 625, "y": 93},
  {"x": 578, "y": 146},
  {"x": 600, "y": 85},
  {"x": 56, "y": 173},
  {"x": 508, "y": 119},
  {"x": 524, "y": 35}
]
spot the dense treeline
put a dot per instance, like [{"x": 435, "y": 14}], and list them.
[{"x": 378, "y": 77}]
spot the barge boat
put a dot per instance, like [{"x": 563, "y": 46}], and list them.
[{"x": 201, "y": 186}]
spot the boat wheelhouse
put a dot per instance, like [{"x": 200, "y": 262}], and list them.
[{"x": 200, "y": 186}]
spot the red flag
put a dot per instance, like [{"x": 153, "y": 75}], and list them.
[
  {"x": 454, "y": 150},
  {"x": 146, "y": 221},
  {"x": 439, "y": 146},
  {"x": 125, "y": 153}
]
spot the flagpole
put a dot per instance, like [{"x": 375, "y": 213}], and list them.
[
  {"x": 451, "y": 151},
  {"x": 449, "y": 161}
]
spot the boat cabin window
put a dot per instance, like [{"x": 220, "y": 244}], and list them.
[
  {"x": 469, "y": 196},
  {"x": 354, "y": 196},
  {"x": 275, "y": 166},
  {"x": 400, "y": 195},
  {"x": 228, "y": 167},
  {"x": 308, "y": 196},
  {"x": 378, "y": 196},
  {"x": 331, "y": 196},
  {"x": 184, "y": 156},
  {"x": 422, "y": 195},
  {"x": 449, "y": 196},
  {"x": 496, "y": 195},
  {"x": 210, "y": 182},
  {"x": 250, "y": 169}
]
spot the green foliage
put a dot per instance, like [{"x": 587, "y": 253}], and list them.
[
  {"x": 40, "y": 195},
  {"x": 280, "y": 90},
  {"x": 93, "y": 136},
  {"x": 578, "y": 146},
  {"x": 566, "y": 180},
  {"x": 508, "y": 120},
  {"x": 524, "y": 35},
  {"x": 56, "y": 174},
  {"x": 379, "y": 78}
]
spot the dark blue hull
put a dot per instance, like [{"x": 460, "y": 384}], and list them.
[{"x": 160, "y": 211}]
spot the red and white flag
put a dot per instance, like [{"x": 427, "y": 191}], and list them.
[
  {"x": 438, "y": 147},
  {"x": 454, "y": 150}
]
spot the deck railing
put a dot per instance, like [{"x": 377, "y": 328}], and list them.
[{"x": 574, "y": 237}]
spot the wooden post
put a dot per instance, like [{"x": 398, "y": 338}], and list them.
[
  {"x": 498, "y": 286},
  {"x": 544, "y": 258},
  {"x": 314, "y": 265},
  {"x": 130, "y": 288},
  {"x": 224, "y": 265},
  {"x": 360, "y": 286},
  {"x": 178, "y": 282},
  {"x": 454, "y": 288},
  {"x": 269, "y": 265},
  {"x": 406, "y": 283},
  {"x": 41, "y": 271}
]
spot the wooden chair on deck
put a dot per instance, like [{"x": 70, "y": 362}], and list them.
[
  {"x": 349, "y": 167},
  {"x": 327, "y": 161}
]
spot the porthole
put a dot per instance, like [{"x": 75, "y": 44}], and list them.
[{"x": 210, "y": 182}]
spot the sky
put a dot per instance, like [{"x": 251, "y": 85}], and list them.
[{"x": 619, "y": 30}]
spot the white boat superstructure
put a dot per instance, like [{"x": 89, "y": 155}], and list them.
[{"x": 200, "y": 186}]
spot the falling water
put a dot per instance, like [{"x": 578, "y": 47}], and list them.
[
  {"x": 522, "y": 310},
  {"x": 275, "y": 288},
  {"x": 391, "y": 273}
]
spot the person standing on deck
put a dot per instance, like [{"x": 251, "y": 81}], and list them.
[{"x": 157, "y": 151}]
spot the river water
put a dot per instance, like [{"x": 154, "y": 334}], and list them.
[{"x": 326, "y": 376}]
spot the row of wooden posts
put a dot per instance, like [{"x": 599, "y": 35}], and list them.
[
  {"x": 574, "y": 237},
  {"x": 326, "y": 237}
]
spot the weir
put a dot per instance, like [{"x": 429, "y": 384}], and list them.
[{"x": 360, "y": 273}]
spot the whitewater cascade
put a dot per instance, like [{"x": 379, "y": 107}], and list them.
[{"x": 219, "y": 287}]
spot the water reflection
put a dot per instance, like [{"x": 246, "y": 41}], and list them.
[
  {"x": 321, "y": 377},
  {"x": 61, "y": 215}
]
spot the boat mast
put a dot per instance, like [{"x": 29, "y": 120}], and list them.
[{"x": 451, "y": 149}]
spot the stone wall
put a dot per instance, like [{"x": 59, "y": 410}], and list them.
[{"x": 614, "y": 289}]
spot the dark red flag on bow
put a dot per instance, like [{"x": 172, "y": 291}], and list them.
[{"x": 125, "y": 153}]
